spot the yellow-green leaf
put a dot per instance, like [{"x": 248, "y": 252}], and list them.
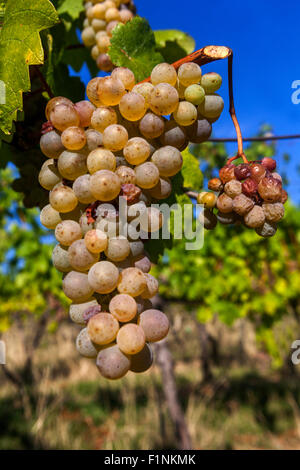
[{"x": 20, "y": 47}]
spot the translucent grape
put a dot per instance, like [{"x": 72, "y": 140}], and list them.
[
  {"x": 168, "y": 160},
  {"x": 60, "y": 259},
  {"x": 92, "y": 91},
  {"x": 126, "y": 175},
  {"x": 98, "y": 11},
  {"x": 77, "y": 311},
  {"x": 164, "y": 73},
  {"x": 51, "y": 144},
  {"x": 142, "y": 361},
  {"x": 144, "y": 89},
  {"x": 189, "y": 73},
  {"x": 63, "y": 116},
  {"x": 103, "y": 117},
  {"x": 49, "y": 217},
  {"x": 112, "y": 14},
  {"x": 151, "y": 289},
  {"x": 194, "y": 94},
  {"x": 54, "y": 102},
  {"x": 147, "y": 175},
  {"x": 67, "y": 232},
  {"x": 103, "y": 328},
  {"x": 84, "y": 345},
  {"x": 49, "y": 175},
  {"x": 174, "y": 135},
  {"x": 77, "y": 287},
  {"x": 88, "y": 36},
  {"x": 98, "y": 25},
  {"x": 110, "y": 91},
  {"x": 105, "y": 185},
  {"x": 132, "y": 281},
  {"x": 63, "y": 199},
  {"x": 125, "y": 16},
  {"x": 123, "y": 307},
  {"x": 125, "y": 75},
  {"x": 95, "y": 241},
  {"x": 151, "y": 126},
  {"x": 112, "y": 363},
  {"x": 85, "y": 110},
  {"x": 104, "y": 63},
  {"x": 118, "y": 249},
  {"x": 103, "y": 43},
  {"x": 131, "y": 339},
  {"x": 212, "y": 106},
  {"x": 81, "y": 259},
  {"x": 185, "y": 114},
  {"x": 81, "y": 188},
  {"x": 101, "y": 159},
  {"x": 132, "y": 106},
  {"x": 73, "y": 138},
  {"x": 211, "y": 82},
  {"x": 71, "y": 165},
  {"x": 103, "y": 277},
  {"x": 115, "y": 137},
  {"x": 155, "y": 325},
  {"x": 199, "y": 132},
  {"x": 163, "y": 99},
  {"x": 136, "y": 151}
]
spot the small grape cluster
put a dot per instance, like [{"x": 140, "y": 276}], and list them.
[
  {"x": 249, "y": 193},
  {"x": 102, "y": 16}
]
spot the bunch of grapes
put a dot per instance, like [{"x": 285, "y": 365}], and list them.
[
  {"x": 249, "y": 193},
  {"x": 102, "y": 16},
  {"x": 118, "y": 146}
]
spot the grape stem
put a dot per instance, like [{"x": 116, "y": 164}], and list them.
[{"x": 240, "y": 153}]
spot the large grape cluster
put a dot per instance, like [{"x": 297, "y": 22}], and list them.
[
  {"x": 118, "y": 145},
  {"x": 102, "y": 16},
  {"x": 249, "y": 193}
]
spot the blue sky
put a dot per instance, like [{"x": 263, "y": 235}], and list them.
[{"x": 266, "y": 42}]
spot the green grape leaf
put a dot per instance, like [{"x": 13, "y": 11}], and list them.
[
  {"x": 20, "y": 47},
  {"x": 72, "y": 7},
  {"x": 174, "y": 44},
  {"x": 192, "y": 175},
  {"x": 133, "y": 46}
]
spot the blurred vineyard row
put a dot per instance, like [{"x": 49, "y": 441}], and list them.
[{"x": 234, "y": 311}]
